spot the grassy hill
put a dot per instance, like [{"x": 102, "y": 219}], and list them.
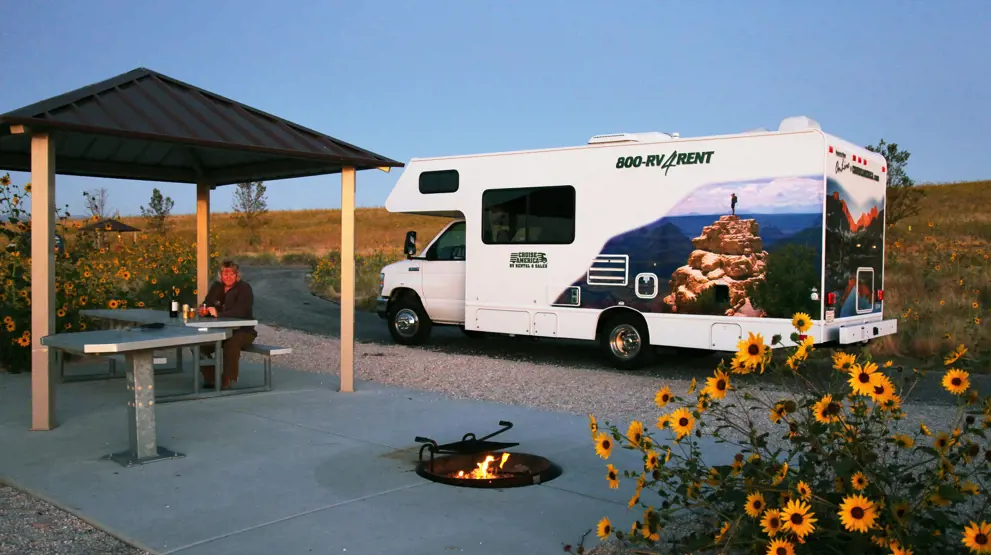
[{"x": 938, "y": 272}]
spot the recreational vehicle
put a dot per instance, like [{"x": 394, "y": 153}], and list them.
[{"x": 648, "y": 239}]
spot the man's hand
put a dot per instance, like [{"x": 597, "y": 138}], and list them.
[{"x": 212, "y": 311}]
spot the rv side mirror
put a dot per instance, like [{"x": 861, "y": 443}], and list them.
[{"x": 409, "y": 249}]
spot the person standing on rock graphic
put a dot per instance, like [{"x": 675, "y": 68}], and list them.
[{"x": 732, "y": 203}]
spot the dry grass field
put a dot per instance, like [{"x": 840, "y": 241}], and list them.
[{"x": 938, "y": 272}]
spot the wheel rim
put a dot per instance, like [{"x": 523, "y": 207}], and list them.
[
  {"x": 407, "y": 323},
  {"x": 624, "y": 341}
]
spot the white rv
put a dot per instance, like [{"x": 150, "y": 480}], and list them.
[{"x": 635, "y": 240}]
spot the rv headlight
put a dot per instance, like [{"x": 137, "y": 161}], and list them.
[{"x": 381, "y": 282}]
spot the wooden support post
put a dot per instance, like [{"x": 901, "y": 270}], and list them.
[
  {"x": 202, "y": 240},
  {"x": 347, "y": 279},
  {"x": 43, "y": 382}
]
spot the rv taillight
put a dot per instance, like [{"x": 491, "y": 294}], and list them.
[
  {"x": 880, "y": 294},
  {"x": 830, "y": 298},
  {"x": 883, "y": 168}
]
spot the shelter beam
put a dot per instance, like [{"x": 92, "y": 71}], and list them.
[
  {"x": 347, "y": 279},
  {"x": 202, "y": 240},
  {"x": 42, "y": 280}
]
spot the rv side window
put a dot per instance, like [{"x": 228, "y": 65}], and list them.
[
  {"x": 443, "y": 181},
  {"x": 532, "y": 215}
]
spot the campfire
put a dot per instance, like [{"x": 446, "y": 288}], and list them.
[
  {"x": 482, "y": 463},
  {"x": 482, "y": 470}
]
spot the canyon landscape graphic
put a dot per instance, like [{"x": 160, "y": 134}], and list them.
[
  {"x": 698, "y": 258},
  {"x": 854, "y": 246}
]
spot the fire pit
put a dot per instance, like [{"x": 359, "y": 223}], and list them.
[{"x": 480, "y": 463}]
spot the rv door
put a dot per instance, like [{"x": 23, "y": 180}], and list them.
[{"x": 444, "y": 276}]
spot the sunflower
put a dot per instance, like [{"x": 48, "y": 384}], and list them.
[
  {"x": 755, "y": 504},
  {"x": 635, "y": 433},
  {"x": 898, "y": 549},
  {"x": 604, "y": 528},
  {"x": 924, "y": 429},
  {"x": 652, "y": 460},
  {"x": 942, "y": 442},
  {"x": 860, "y": 378},
  {"x": 976, "y": 537},
  {"x": 717, "y": 385},
  {"x": 883, "y": 389},
  {"x": 634, "y": 500},
  {"x": 593, "y": 425},
  {"x": 804, "y": 491},
  {"x": 682, "y": 422},
  {"x": 956, "y": 381},
  {"x": 857, "y": 513},
  {"x": 904, "y": 441},
  {"x": 781, "y": 547},
  {"x": 801, "y": 322},
  {"x": 739, "y": 366},
  {"x": 797, "y": 517},
  {"x": 955, "y": 355},
  {"x": 663, "y": 421},
  {"x": 771, "y": 523},
  {"x": 826, "y": 410},
  {"x": 663, "y": 397},
  {"x": 613, "y": 476},
  {"x": 721, "y": 535},
  {"x": 843, "y": 362},
  {"x": 751, "y": 350},
  {"x": 780, "y": 475},
  {"x": 692, "y": 385},
  {"x": 603, "y": 445},
  {"x": 900, "y": 510},
  {"x": 859, "y": 481}
]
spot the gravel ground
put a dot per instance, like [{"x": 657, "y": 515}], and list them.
[
  {"x": 30, "y": 526},
  {"x": 522, "y": 373}
]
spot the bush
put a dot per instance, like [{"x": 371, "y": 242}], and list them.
[
  {"x": 122, "y": 275},
  {"x": 850, "y": 472},
  {"x": 325, "y": 278}
]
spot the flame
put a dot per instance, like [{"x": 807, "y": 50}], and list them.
[{"x": 482, "y": 471}]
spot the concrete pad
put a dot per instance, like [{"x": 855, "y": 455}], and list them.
[{"x": 306, "y": 469}]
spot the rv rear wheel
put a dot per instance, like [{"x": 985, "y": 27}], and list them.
[
  {"x": 626, "y": 342},
  {"x": 408, "y": 322}
]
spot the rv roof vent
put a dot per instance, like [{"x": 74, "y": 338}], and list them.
[
  {"x": 648, "y": 137},
  {"x": 758, "y": 130},
  {"x": 797, "y": 123}
]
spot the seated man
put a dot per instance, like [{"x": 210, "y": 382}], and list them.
[{"x": 228, "y": 298}]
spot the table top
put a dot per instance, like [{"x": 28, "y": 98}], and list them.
[
  {"x": 134, "y": 339},
  {"x": 150, "y": 316}
]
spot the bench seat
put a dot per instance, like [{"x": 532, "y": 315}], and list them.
[{"x": 267, "y": 350}]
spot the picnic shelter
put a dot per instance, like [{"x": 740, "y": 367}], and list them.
[{"x": 143, "y": 125}]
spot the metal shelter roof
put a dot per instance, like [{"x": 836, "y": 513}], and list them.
[
  {"x": 109, "y": 224},
  {"x": 147, "y": 126}
]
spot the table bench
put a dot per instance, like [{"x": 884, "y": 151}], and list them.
[{"x": 267, "y": 352}]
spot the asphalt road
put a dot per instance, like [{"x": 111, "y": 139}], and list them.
[{"x": 282, "y": 299}]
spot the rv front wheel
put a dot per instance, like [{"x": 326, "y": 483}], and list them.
[
  {"x": 626, "y": 342},
  {"x": 408, "y": 322}
]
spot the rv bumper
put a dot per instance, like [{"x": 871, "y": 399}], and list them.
[
  {"x": 381, "y": 306},
  {"x": 864, "y": 332}
]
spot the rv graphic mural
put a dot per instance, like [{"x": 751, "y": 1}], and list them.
[
  {"x": 708, "y": 249},
  {"x": 854, "y": 244}
]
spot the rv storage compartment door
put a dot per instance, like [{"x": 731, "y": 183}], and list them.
[
  {"x": 515, "y": 322},
  {"x": 725, "y": 337},
  {"x": 545, "y": 324}
]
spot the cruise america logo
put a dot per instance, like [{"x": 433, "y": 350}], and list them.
[{"x": 527, "y": 260}]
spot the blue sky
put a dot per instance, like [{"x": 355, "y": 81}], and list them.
[{"x": 430, "y": 78}]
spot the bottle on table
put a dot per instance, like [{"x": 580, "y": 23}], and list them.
[{"x": 174, "y": 309}]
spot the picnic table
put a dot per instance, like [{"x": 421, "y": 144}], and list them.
[
  {"x": 141, "y": 316},
  {"x": 138, "y": 346}
]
